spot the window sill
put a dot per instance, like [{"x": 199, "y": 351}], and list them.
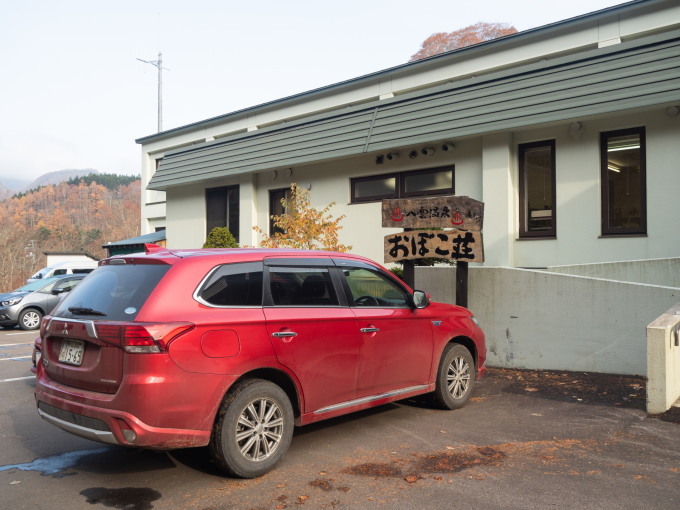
[
  {"x": 537, "y": 238},
  {"x": 620, "y": 236}
]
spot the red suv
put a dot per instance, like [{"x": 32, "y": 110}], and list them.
[{"x": 231, "y": 348}]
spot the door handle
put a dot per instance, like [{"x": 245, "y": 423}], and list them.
[
  {"x": 284, "y": 334},
  {"x": 369, "y": 330}
]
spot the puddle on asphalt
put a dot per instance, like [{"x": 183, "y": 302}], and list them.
[
  {"x": 128, "y": 498},
  {"x": 55, "y": 465}
]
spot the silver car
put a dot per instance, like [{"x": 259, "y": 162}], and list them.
[{"x": 27, "y": 305}]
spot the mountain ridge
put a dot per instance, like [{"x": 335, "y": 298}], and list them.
[{"x": 55, "y": 177}]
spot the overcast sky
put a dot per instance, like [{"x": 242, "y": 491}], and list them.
[{"x": 74, "y": 95}]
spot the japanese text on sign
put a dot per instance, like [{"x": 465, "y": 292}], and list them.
[
  {"x": 446, "y": 212},
  {"x": 458, "y": 245}
]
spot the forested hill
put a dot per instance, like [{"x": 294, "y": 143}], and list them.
[{"x": 79, "y": 215}]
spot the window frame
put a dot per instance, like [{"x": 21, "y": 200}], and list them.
[
  {"x": 204, "y": 284},
  {"x": 273, "y": 200},
  {"x": 524, "y": 232},
  {"x": 606, "y": 230},
  {"x": 226, "y": 190},
  {"x": 400, "y": 178}
]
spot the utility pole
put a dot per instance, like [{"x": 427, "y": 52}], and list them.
[{"x": 159, "y": 65}]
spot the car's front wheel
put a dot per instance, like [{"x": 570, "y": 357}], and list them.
[
  {"x": 253, "y": 429},
  {"x": 454, "y": 377},
  {"x": 30, "y": 319}
]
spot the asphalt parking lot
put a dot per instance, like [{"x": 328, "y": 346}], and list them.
[{"x": 527, "y": 440}]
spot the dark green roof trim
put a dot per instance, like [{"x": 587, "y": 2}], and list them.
[
  {"x": 629, "y": 75},
  {"x": 153, "y": 237},
  {"x": 519, "y": 37}
]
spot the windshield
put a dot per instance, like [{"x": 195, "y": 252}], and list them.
[
  {"x": 41, "y": 273},
  {"x": 112, "y": 292},
  {"x": 36, "y": 285}
]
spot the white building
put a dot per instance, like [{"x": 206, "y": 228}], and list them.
[{"x": 569, "y": 133}]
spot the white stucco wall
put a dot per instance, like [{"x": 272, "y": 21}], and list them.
[{"x": 485, "y": 169}]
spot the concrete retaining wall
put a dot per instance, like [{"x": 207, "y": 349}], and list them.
[
  {"x": 543, "y": 320},
  {"x": 664, "y": 272}
]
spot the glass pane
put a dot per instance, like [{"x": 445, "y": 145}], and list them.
[
  {"x": 624, "y": 180},
  {"x": 378, "y": 187},
  {"x": 234, "y": 285},
  {"x": 222, "y": 209},
  {"x": 118, "y": 291},
  {"x": 421, "y": 182},
  {"x": 373, "y": 289},
  {"x": 293, "y": 286},
  {"x": 538, "y": 183}
]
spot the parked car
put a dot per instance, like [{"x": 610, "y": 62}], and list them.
[
  {"x": 37, "y": 352},
  {"x": 27, "y": 305},
  {"x": 233, "y": 348},
  {"x": 65, "y": 268}
]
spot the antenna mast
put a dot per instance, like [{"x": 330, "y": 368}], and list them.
[{"x": 159, "y": 65}]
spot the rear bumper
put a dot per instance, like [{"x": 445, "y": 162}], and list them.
[
  {"x": 142, "y": 414},
  {"x": 114, "y": 427}
]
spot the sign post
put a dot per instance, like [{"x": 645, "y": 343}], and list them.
[{"x": 447, "y": 228}]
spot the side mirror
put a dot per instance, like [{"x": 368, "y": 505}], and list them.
[{"x": 420, "y": 299}]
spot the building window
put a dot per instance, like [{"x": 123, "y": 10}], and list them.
[
  {"x": 277, "y": 207},
  {"x": 537, "y": 189},
  {"x": 222, "y": 209},
  {"x": 433, "y": 181},
  {"x": 624, "y": 193}
]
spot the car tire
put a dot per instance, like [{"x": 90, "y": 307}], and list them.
[
  {"x": 454, "y": 377},
  {"x": 253, "y": 429},
  {"x": 29, "y": 319}
]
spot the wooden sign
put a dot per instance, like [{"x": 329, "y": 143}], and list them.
[
  {"x": 464, "y": 213},
  {"x": 457, "y": 245}
]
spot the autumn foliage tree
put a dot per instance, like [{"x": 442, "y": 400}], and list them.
[
  {"x": 474, "y": 34},
  {"x": 303, "y": 226},
  {"x": 75, "y": 217}
]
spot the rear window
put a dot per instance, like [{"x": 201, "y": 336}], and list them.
[{"x": 112, "y": 292}]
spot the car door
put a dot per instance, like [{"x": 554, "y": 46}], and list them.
[
  {"x": 312, "y": 330},
  {"x": 396, "y": 343}
]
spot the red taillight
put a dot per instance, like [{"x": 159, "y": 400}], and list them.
[
  {"x": 152, "y": 338},
  {"x": 44, "y": 323}
]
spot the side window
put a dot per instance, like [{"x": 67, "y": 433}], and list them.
[
  {"x": 59, "y": 271},
  {"x": 370, "y": 288},
  {"x": 222, "y": 209},
  {"x": 302, "y": 286},
  {"x": 277, "y": 207},
  {"x": 624, "y": 195},
  {"x": 67, "y": 286},
  {"x": 417, "y": 183},
  {"x": 234, "y": 285},
  {"x": 537, "y": 189}
]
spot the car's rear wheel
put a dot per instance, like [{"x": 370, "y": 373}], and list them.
[
  {"x": 253, "y": 429},
  {"x": 30, "y": 319},
  {"x": 454, "y": 377}
]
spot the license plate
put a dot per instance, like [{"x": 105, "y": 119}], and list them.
[{"x": 72, "y": 352}]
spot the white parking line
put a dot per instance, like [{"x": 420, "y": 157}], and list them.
[
  {"x": 15, "y": 357},
  {"x": 18, "y": 378},
  {"x": 12, "y": 345},
  {"x": 22, "y": 333}
]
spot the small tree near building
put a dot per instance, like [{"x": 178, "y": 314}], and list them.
[
  {"x": 220, "y": 237},
  {"x": 303, "y": 226}
]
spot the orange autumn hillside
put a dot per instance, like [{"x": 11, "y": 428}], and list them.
[{"x": 68, "y": 217}]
